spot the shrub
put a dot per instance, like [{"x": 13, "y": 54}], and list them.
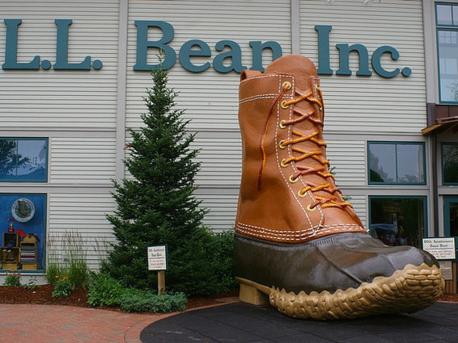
[
  {"x": 204, "y": 266},
  {"x": 62, "y": 288},
  {"x": 134, "y": 300},
  {"x": 12, "y": 280},
  {"x": 54, "y": 272},
  {"x": 104, "y": 291},
  {"x": 78, "y": 273},
  {"x": 73, "y": 270}
]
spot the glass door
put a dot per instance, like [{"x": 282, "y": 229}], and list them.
[{"x": 451, "y": 216}]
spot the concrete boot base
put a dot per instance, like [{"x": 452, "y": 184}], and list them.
[{"x": 408, "y": 290}]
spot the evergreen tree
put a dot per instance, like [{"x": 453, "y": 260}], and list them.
[{"x": 156, "y": 205}]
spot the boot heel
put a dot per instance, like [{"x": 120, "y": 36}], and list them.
[{"x": 251, "y": 295}]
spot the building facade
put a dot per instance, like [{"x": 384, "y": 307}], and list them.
[{"x": 74, "y": 74}]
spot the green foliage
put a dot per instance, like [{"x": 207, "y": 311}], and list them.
[
  {"x": 31, "y": 285},
  {"x": 12, "y": 280},
  {"x": 78, "y": 273},
  {"x": 156, "y": 206},
  {"x": 62, "y": 288},
  {"x": 134, "y": 300},
  {"x": 54, "y": 272},
  {"x": 204, "y": 266},
  {"x": 104, "y": 291},
  {"x": 72, "y": 272}
]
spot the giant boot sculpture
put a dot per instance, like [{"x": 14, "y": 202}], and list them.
[{"x": 297, "y": 239}]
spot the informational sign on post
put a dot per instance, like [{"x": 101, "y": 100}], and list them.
[
  {"x": 157, "y": 260},
  {"x": 440, "y": 248},
  {"x": 446, "y": 269},
  {"x": 157, "y": 257}
]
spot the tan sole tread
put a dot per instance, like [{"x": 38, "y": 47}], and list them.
[{"x": 407, "y": 290}]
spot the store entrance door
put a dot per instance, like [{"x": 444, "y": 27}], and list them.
[
  {"x": 451, "y": 216},
  {"x": 451, "y": 230}
]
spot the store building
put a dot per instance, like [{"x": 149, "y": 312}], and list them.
[{"x": 74, "y": 74}]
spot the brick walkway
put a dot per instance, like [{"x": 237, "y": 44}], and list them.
[{"x": 66, "y": 324}]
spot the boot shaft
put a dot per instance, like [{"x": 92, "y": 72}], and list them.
[{"x": 287, "y": 193}]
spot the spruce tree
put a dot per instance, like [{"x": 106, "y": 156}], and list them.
[{"x": 155, "y": 204}]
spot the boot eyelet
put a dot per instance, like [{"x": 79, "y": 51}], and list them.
[
  {"x": 311, "y": 208},
  {"x": 281, "y": 144},
  {"x": 282, "y": 124},
  {"x": 284, "y": 104},
  {"x": 284, "y": 163},
  {"x": 301, "y": 193},
  {"x": 286, "y": 85},
  {"x": 292, "y": 179}
]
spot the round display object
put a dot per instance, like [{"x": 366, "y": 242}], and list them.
[{"x": 23, "y": 210}]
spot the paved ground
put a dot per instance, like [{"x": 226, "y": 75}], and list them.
[
  {"x": 245, "y": 323},
  {"x": 67, "y": 324}
]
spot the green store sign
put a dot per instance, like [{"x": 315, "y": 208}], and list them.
[{"x": 228, "y": 57}]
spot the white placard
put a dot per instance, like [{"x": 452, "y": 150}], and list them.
[
  {"x": 446, "y": 269},
  {"x": 157, "y": 258},
  {"x": 440, "y": 248}
]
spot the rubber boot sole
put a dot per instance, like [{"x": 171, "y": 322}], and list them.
[{"x": 408, "y": 290}]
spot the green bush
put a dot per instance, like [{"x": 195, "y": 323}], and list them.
[
  {"x": 54, "y": 272},
  {"x": 200, "y": 266},
  {"x": 134, "y": 300},
  {"x": 12, "y": 280},
  {"x": 78, "y": 273},
  {"x": 62, "y": 288},
  {"x": 104, "y": 291}
]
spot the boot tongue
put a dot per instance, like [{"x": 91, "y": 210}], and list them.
[{"x": 300, "y": 66}]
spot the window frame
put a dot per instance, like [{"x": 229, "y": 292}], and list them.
[
  {"x": 443, "y": 28},
  {"x": 44, "y": 257},
  {"x": 425, "y": 208},
  {"x": 12, "y": 179},
  {"x": 395, "y": 143},
  {"x": 444, "y": 183}
]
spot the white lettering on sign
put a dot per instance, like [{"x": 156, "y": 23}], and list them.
[
  {"x": 440, "y": 248},
  {"x": 157, "y": 258}
]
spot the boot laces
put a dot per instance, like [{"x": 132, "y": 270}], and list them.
[{"x": 334, "y": 194}]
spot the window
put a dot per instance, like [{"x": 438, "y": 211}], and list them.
[
  {"x": 22, "y": 232},
  {"x": 447, "y": 43},
  {"x": 398, "y": 220},
  {"x": 450, "y": 163},
  {"x": 24, "y": 159},
  {"x": 396, "y": 163}
]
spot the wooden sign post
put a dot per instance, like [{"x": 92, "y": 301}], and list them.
[{"x": 157, "y": 260}]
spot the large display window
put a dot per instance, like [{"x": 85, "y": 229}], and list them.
[
  {"x": 396, "y": 163},
  {"x": 450, "y": 163},
  {"x": 447, "y": 44},
  {"x": 398, "y": 220},
  {"x": 22, "y": 232},
  {"x": 23, "y": 159}
]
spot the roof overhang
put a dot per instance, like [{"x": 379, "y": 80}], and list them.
[{"x": 439, "y": 126}]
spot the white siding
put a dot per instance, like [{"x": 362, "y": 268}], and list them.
[
  {"x": 209, "y": 98},
  {"x": 360, "y": 206},
  {"x": 83, "y": 214},
  {"x": 370, "y": 104},
  {"x": 348, "y": 158},
  {"x": 82, "y": 161},
  {"x": 222, "y": 206},
  {"x": 60, "y": 99}
]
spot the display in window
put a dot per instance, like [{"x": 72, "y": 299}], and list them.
[
  {"x": 450, "y": 163},
  {"x": 22, "y": 220},
  {"x": 397, "y": 221}
]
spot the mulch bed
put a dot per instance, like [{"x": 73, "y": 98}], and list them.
[
  {"x": 43, "y": 295},
  {"x": 449, "y": 297}
]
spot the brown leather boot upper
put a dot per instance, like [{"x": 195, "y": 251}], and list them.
[{"x": 287, "y": 193}]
